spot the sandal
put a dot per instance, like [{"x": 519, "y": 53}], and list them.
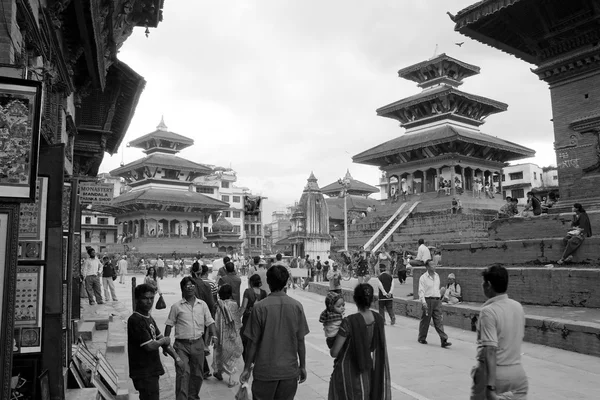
[{"x": 218, "y": 375}]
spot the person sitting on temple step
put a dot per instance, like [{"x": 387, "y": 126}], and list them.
[
  {"x": 533, "y": 207},
  {"x": 575, "y": 237}
]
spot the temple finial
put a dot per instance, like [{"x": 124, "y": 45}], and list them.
[{"x": 162, "y": 126}]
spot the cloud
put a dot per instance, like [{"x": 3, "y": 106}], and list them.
[{"x": 278, "y": 89}]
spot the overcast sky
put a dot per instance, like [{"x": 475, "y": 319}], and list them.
[{"x": 277, "y": 89}]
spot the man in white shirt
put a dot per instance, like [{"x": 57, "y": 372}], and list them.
[
  {"x": 500, "y": 331},
  {"x": 430, "y": 298},
  {"x": 423, "y": 254},
  {"x": 90, "y": 273},
  {"x": 122, "y": 264}
]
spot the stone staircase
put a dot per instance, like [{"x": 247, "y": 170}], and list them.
[{"x": 390, "y": 226}]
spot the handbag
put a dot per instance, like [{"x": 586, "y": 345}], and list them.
[{"x": 160, "y": 304}]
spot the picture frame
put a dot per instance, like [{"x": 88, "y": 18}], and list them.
[
  {"x": 9, "y": 229},
  {"x": 28, "y": 308},
  {"x": 32, "y": 225},
  {"x": 20, "y": 113}
]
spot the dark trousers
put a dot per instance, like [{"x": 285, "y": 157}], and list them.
[
  {"x": 189, "y": 378},
  {"x": 92, "y": 287},
  {"x": 274, "y": 390},
  {"x": 434, "y": 309},
  {"x": 402, "y": 275},
  {"x": 389, "y": 306},
  {"x": 148, "y": 388},
  {"x": 572, "y": 243}
]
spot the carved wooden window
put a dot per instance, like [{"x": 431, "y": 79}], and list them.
[{"x": 52, "y": 119}]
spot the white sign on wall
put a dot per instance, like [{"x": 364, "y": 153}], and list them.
[{"x": 96, "y": 193}]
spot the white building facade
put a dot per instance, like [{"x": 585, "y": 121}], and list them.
[{"x": 519, "y": 179}]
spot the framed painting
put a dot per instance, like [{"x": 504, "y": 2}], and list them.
[
  {"x": 32, "y": 225},
  {"x": 9, "y": 230},
  {"x": 20, "y": 117}
]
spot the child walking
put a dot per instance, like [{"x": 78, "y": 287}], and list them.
[{"x": 332, "y": 316}]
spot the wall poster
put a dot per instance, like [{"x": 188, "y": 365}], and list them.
[
  {"x": 32, "y": 224},
  {"x": 28, "y": 309}
]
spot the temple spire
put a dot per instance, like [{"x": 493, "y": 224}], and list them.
[{"x": 162, "y": 126}]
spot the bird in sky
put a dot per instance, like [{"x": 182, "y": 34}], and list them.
[{"x": 459, "y": 44}]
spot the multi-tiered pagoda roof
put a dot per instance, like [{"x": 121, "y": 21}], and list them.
[{"x": 441, "y": 120}]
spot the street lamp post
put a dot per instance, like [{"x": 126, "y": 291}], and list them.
[{"x": 345, "y": 182}]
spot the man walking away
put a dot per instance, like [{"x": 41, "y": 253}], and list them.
[
  {"x": 260, "y": 270},
  {"x": 430, "y": 297},
  {"x": 90, "y": 272},
  {"x": 122, "y": 263},
  {"x": 319, "y": 267},
  {"x": 499, "y": 373},
  {"x": 143, "y": 341},
  {"x": 233, "y": 280},
  {"x": 276, "y": 332},
  {"x": 189, "y": 316},
  {"x": 386, "y": 294}
]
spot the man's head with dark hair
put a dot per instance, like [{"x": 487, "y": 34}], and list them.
[
  {"x": 421, "y": 241},
  {"x": 307, "y": 256},
  {"x": 277, "y": 278},
  {"x": 144, "y": 298},
  {"x": 141, "y": 289},
  {"x": 226, "y": 259},
  {"x": 318, "y": 257},
  {"x": 225, "y": 292},
  {"x": 515, "y": 200},
  {"x": 195, "y": 271},
  {"x": 508, "y": 199},
  {"x": 256, "y": 260},
  {"x": 185, "y": 281},
  {"x": 578, "y": 208},
  {"x": 278, "y": 257},
  {"x": 204, "y": 270},
  {"x": 230, "y": 267},
  {"x": 495, "y": 280},
  {"x": 529, "y": 194},
  {"x": 255, "y": 281}
]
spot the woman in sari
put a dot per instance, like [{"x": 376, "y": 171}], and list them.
[
  {"x": 361, "y": 370},
  {"x": 228, "y": 348}
]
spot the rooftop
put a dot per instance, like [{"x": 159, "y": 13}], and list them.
[{"x": 169, "y": 161}]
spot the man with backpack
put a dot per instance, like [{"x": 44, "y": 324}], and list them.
[{"x": 319, "y": 268}]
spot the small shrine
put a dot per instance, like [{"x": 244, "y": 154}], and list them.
[
  {"x": 162, "y": 212},
  {"x": 443, "y": 146},
  {"x": 352, "y": 187},
  {"x": 223, "y": 237},
  {"x": 310, "y": 223}
]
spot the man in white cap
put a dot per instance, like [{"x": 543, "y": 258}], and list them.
[{"x": 452, "y": 293}]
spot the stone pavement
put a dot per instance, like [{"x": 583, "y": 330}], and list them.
[{"x": 421, "y": 372}]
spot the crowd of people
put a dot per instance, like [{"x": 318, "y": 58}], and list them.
[{"x": 265, "y": 328}]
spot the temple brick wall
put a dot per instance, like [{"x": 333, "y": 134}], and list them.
[
  {"x": 539, "y": 286},
  {"x": 578, "y": 98},
  {"x": 523, "y": 253}
]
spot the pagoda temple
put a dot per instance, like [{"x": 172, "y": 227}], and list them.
[
  {"x": 353, "y": 187},
  {"x": 443, "y": 140},
  {"x": 223, "y": 237},
  {"x": 310, "y": 223},
  {"x": 162, "y": 212}
]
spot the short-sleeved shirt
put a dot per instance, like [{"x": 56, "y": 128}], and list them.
[
  {"x": 189, "y": 322},
  {"x": 502, "y": 325},
  {"x": 141, "y": 330},
  {"x": 277, "y": 325}
]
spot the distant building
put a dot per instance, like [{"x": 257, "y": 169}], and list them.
[
  {"x": 519, "y": 179},
  {"x": 279, "y": 229},
  {"x": 220, "y": 185},
  {"x": 97, "y": 230}
]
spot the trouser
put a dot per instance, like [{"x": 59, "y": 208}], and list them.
[
  {"x": 122, "y": 276},
  {"x": 148, "y": 388},
  {"x": 189, "y": 378},
  {"x": 318, "y": 276},
  {"x": 417, "y": 263},
  {"x": 92, "y": 287},
  {"x": 509, "y": 379},
  {"x": 434, "y": 309},
  {"x": 389, "y": 306},
  {"x": 109, "y": 285},
  {"x": 402, "y": 275},
  {"x": 325, "y": 276},
  {"x": 572, "y": 243},
  {"x": 274, "y": 390}
]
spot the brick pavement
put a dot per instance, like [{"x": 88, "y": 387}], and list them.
[{"x": 418, "y": 372}]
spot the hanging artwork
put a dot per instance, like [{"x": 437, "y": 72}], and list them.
[
  {"x": 20, "y": 113},
  {"x": 32, "y": 224},
  {"x": 28, "y": 308}
]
